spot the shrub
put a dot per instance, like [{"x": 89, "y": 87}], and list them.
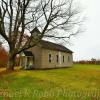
[{"x": 3, "y": 57}]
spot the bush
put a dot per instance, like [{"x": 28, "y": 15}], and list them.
[{"x": 3, "y": 57}]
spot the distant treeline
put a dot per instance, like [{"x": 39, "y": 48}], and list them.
[{"x": 92, "y": 61}]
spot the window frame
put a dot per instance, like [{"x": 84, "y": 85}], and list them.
[
  {"x": 63, "y": 59},
  {"x": 50, "y": 58},
  {"x": 68, "y": 58},
  {"x": 57, "y": 58}
]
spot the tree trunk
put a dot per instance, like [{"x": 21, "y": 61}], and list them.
[{"x": 11, "y": 63}]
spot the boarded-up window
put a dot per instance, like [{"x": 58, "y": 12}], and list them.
[{"x": 50, "y": 58}]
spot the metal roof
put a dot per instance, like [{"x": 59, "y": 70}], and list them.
[{"x": 54, "y": 46}]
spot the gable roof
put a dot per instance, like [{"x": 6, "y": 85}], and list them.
[
  {"x": 35, "y": 30},
  {"x": 28, "y": 53},
  {"x": 54, "y": 46},
  {"x": 50, "y": 45}
]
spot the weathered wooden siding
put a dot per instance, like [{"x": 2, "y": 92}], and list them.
[{"x": 68, "y": 59}]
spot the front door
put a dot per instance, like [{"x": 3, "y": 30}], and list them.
[{"x": 29, "y": 61}]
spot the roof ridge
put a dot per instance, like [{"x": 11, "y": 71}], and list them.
[{"x": 55, "y": 46}]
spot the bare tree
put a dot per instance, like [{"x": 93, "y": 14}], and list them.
[{"x": 20, "y": 18}]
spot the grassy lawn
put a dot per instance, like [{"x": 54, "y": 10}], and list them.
[{"x": 81, "y": 82}]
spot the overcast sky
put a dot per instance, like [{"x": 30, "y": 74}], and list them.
[{"x": 87, "y": 45}]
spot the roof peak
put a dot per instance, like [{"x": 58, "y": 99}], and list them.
[{"x": 35, "y": 30}]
